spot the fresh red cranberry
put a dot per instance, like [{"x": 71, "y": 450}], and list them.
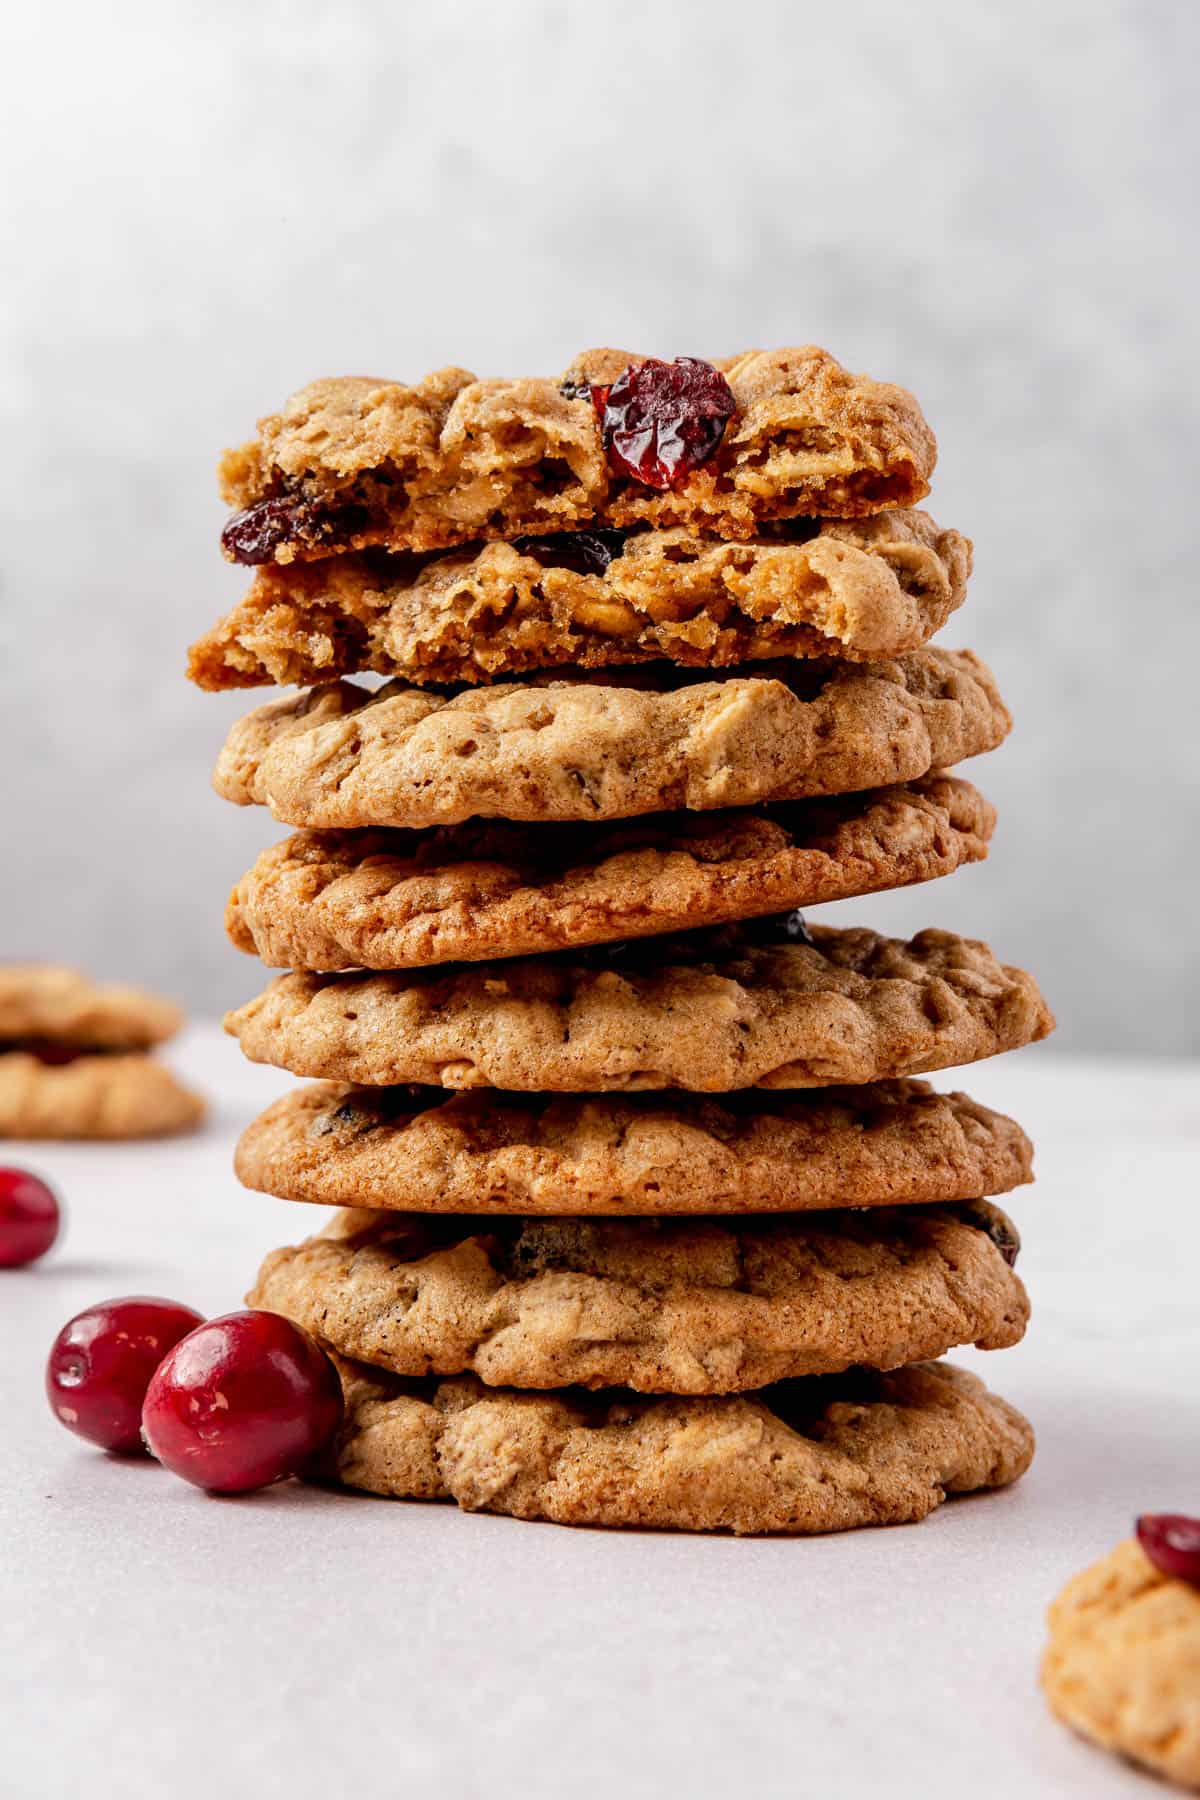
[
  {"x": 242, "y": 1401},
  {"x": 661, "y": 420},
  {"x": 101, "y": 1362},
  {"x": 29, "y": 1218},
  {"x": 1172, "y": 1542},
  {"x": 587, "y": 552}
]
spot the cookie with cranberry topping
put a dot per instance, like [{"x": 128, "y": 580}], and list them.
[
  {"x": 339, "y": 756},
  {"x": 55, "y": 1093},
  {"x": 863, "y": 590},
  {"x": 467, "y": 893},
  {"x": 413, "y": 1149},
  {"x": 618, "y": 441},
  {"x": 827, "y": 1453},
  {"x": 1123, "y": 1662},
  {"x": 667, "y": 1306},
  {"x": 705, "y": 1011}
]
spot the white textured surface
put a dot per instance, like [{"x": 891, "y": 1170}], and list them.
[
  {"x": 302, "y": 1644},
  {"x": 207, "y": 206}
]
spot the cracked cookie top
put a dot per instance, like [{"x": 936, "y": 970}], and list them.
[
  {"x": 354, "y": 462},
  {"x": 466, "y": 893},
  {"x": 894, "y": 1143},
  {"x": 680, "y": 1306},
  {"x": 744, "y": 1006},
  {"x": 339, "y": 757},
  {"x": 829, "y": 1453}
]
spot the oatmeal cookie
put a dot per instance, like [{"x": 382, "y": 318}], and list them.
[
  {"x": 829, "y": 1453},
  {"x": 394, "y": 899},
  {"x": 339, "y": 757},
  {"x": 113, "y": 1095},
  {"x": 738, "y": 1007},
  {"x": 863, "y": 590},
  {"x": 413, "y": 1149},
  {"x": 44, "y": 1001},
  {"x": 1123, "y": 1662},
  {"x": 666, "y": 1306},
  {"x": 353, "y": 461}
]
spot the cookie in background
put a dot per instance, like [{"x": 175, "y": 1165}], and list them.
[{"x": 76, "y": 1058}]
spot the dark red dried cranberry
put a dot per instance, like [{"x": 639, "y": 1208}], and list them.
[
  {"x": 51, "y": 1051},
  {"x": 253, "y": 536},
  {"x": 662, "y": 420},
  {"x": 587, "y": 552},
  {"x": 1172, "y": 1542},
  {"x": 779, "y": 928},
  {"x": 793, "y": 531},
  {"x": 1002, "y": 1231}
]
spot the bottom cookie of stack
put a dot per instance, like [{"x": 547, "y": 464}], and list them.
[
  {"x": 694, "y": 1374},
  {"x": 825, "y": 1454}
]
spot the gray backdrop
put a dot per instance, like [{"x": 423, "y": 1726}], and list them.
[{"x": 205, "y": 206}]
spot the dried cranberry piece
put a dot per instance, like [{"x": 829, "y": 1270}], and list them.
[
  {"x": 253, "y": 536},
  {"x": 1002, "y": 1231},
  {"x": 1172, "y": 1542},
  {"x": 794, "y": 531},
  {"x": 51, "y": 1051},
  {"x": 662, "y": 420},
  {"x": 586, "y": 552},
  {"x": 779, "y": 928}
]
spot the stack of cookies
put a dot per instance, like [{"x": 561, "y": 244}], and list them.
[{"x": 644, "y": 1219}]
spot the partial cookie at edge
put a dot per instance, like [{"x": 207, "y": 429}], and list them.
[
  {"x": 1123, "y": 1662},
  {"x": 47, "y": 1000}
]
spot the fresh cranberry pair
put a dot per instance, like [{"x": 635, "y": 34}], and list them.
[{"x": 230, "y": 1404}]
